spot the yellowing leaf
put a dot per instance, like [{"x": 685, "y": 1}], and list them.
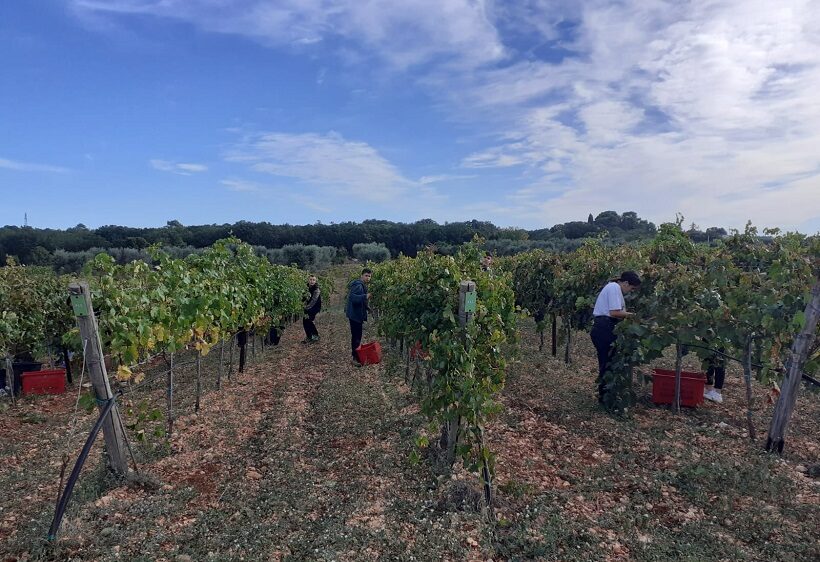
[{"x": 123, "y": 373}]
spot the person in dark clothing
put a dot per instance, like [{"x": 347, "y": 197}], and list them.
[
  {"x": 275, "y": 335},
  {"x": 610, "y": 309},
  {"x": 356, "y": 310},
  {"x": 313, "y": 305},
  {"x": 715, "y": 367},
  {"x": 715, "y": 376}
]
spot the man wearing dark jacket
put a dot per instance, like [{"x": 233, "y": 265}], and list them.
[
  {"x": 313, "y": 305},
  {"x": 356, "y": 310}
]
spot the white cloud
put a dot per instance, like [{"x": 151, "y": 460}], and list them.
[
  {"x": 194, "y": 168},
  {"x": 609, "y": 122},
  {"x": 181, "y": 168},
  {"x": 401, "y": 33},
  {"x": 497, "y": 157},
  {"x": 333, "y": 174},
  {"x": 425, "y": 180},
  {"x": 240, "y": 185},
  {"x": 18, "y": 166},
  {"x": 328, "y": 161}
]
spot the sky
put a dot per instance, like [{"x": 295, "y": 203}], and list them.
[{"x": 526, "y": 113}]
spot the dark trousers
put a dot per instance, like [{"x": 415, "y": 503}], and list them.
[
  {"x": 603, "y": 338},
  {"x": 274, "y": 336},
  {"x": 310, "y": 327},
  {"x": 355, "y": 337},
  {"x": 716, "y": 370}
]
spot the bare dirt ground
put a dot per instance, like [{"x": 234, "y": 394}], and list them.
[
  {"x": 305, "y": 457},
  {"x": 580, "y": 484}
]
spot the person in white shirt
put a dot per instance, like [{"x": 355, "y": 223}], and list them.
[{"x": 610, "y": 309}]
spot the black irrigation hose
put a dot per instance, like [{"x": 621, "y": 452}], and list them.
[
  {"x": 75, "y": 473},
  {"x": 811, "y": 380},
  {"x": 806, "y": 377},
  {"x": 717, "y": 352}
]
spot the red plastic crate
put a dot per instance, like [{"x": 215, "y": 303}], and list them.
[
  {"x": 369, "y": 353},
  {"x": 691, "y": 387},
  {"x": 44, "y": 382}
]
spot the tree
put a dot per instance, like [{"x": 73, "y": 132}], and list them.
[
  {"x": 608, "y": 219},
  {"x": 630, "y": 220},
  {"x": 371, "y": 252},
  {"x": 40, "y": 256},
  {"x": 715, "y": 233},
  {"x": 578, "y": 229},
  {"x": 137, "y": 242},
  {"x": 512, "y": 233}
]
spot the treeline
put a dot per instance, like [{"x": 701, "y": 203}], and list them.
[
  {"x": 65, "y": 249},
  {"x": 308, "y": 257}
]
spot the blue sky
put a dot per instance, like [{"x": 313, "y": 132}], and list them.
[{"x": 522, "y": 112}]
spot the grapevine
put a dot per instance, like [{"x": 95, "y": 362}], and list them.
[{"x": 418, "y": 302}]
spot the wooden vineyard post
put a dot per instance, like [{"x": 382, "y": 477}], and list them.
[
  {"x": 230, "y": 361},
  {"x": 10, "y": 377},
  {"x": 747, "y": 378},
  {"x": 170, "y": 401},
  {"x": 89, "y": 333},
  {"x": 67, "y": 361},
  {"x": 451, "y": 429},
  {"x": 678, "y": 368},
  {"x": 567, "y": 358},
  {"x": 242, "y": 339},
  {"x": 407, "y": 366},
  {"x": 416, "y": 372},
  {"x": 554, "y": 335},
  {"x": 466, "y": 311},
  {"x": 221, "y": 364},
  {"x": 790, "y": 387},
  {"x": 198, "y": 380}
]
